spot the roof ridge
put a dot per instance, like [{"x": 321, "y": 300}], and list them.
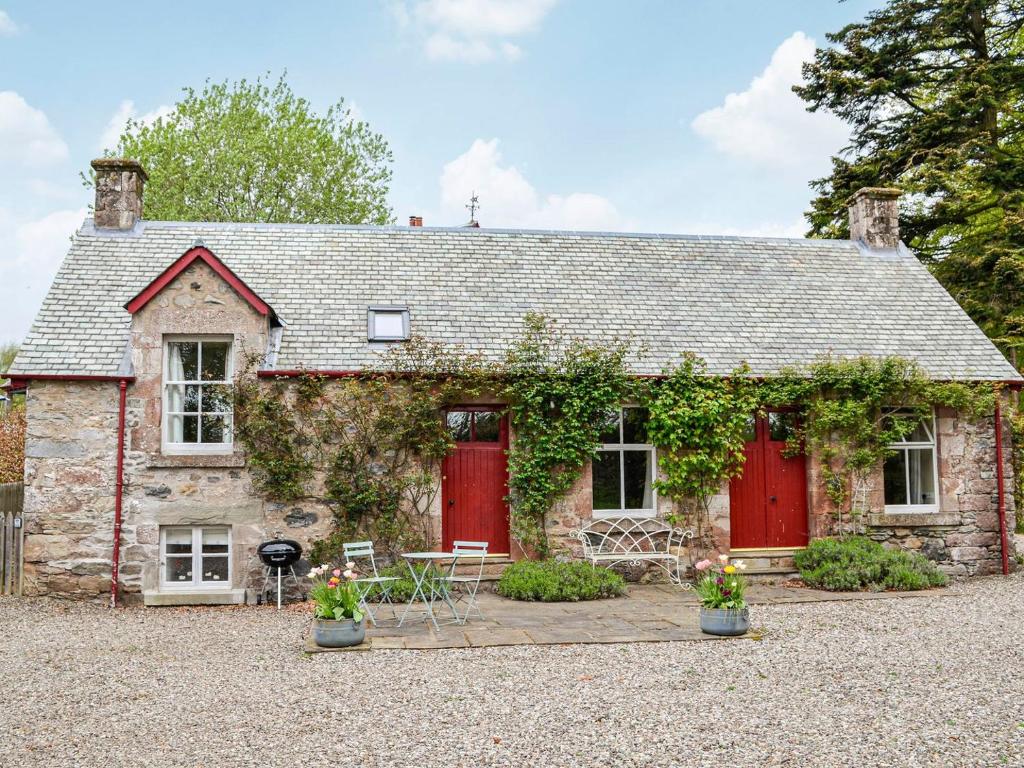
[{"x": 88, "y": 228}]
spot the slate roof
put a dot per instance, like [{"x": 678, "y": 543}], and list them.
[{"x": 770, "y": 302}]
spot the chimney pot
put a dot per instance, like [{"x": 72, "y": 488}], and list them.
[
  {"x": 415, "y": 221},
  {"x": 119, "y": 183},
  {"x": 874, "y": 217}
]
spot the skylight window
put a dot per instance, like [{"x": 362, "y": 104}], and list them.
[{"x": 387, "y": 324}]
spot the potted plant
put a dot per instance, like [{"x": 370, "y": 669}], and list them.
[
  {"x": 721, "y": 589},
  {"x": 338, "y": 621}
]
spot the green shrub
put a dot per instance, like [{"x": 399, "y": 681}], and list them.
[
  {"x": 854, "y": 563},
  {"x": 553, "y": 582}
]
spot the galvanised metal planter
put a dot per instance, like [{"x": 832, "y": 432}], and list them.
[
  {"x": 328, "y": 633},
  {"x": 724, "y": 621}
]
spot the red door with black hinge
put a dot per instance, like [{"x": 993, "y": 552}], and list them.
[
  {"x": 474, "y": 479},
  {"x": 768, "y": 502}
]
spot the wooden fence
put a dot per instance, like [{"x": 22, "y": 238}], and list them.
[{"x": 12, "y": 537}]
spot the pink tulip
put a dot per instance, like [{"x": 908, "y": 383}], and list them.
[
  {"x": 336, "y": 572},
  {"x": 703, "y": 565}
]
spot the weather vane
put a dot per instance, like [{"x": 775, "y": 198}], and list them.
[{"x": 474, "y": 204}]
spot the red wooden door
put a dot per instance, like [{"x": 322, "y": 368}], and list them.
[
  {"x": 768, "y": 502},
  {"x": 474, "y": 479}
]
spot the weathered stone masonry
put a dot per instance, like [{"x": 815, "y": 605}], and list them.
[{"x": 70, "y": 466}]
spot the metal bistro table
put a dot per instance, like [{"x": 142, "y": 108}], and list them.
[{"x": 432, "y": 578}]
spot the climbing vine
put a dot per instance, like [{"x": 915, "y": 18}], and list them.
[
  {"x": 368, "y": 447},
  {"x": 560, "y": 392},
  {"x": 852, "y": 409},
  {"x": 699, "y": 424}
]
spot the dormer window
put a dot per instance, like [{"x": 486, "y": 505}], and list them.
[{"x": 387, "y": 323}]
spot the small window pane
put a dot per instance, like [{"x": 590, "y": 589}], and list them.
[
  {"x": 634, "y": 425},
  {"x": 388, "y": 325},
  {"x": 178, "y": 541},
  {"x": 215, "y": 360},
  {"x": 751, "y": 432},
  {"x": 216, "y": 429},
  {"x": 215, "y": 541},
  {"x": 922, "y": 476},
  {"x": 488, "y": 426},
  {"x": 191, "y": 402},
  {"x": 217, "y": 398},
  {"x": 191, "y": 429},
  {"x": 895, "y": 478},
  {"x": 178, "y": 569},
  {"x": 781, "y": 426},
  {"x": 184, "y": 360},
  {"x": 176, "y": 398},
  {"x": 606, "y": 486},
  {"x": 609, "y": 428},
  {"x": 215, "y": 568},
  {"x": 459, "y": 425},
  {"x": 637, "y": 477}
]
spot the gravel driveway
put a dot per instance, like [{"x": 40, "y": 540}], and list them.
[{"x": 926, "y": 682}]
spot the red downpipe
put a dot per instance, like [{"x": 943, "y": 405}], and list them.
[
  {"x": 119, "y": 490},
  {"x": 1000, "y": 487}
]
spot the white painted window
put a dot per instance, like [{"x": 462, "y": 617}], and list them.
[
  {"x": 197, "y": 395},
  {"x": 195, "y": 557},
  {"x": 625, "y": 468},
  {"x": 911, "y": 473},
  {"x": 387, "y": 323}
]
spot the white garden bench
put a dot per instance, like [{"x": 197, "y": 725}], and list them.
[{"x": 632, "y": 541}]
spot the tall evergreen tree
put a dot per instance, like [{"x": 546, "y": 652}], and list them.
[{"x": 934, "y": 93}]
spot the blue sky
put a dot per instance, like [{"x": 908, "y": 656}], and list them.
[{"x": 671, "y": 116}]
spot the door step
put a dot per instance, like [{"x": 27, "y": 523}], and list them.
[{"x": 772, "y": 562}]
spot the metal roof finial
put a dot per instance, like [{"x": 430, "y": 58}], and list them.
[{"x": 474, "y": 204}]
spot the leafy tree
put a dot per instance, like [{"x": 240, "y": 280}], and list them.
[
  {"x": 251, "y": 152},
  {"x": 934, "y": 93},
  {"x": 7, "y": 354}
]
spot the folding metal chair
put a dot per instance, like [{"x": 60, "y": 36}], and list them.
[
  {"x": 463, "y": 589},
  {"x": 363, "y": 550}
]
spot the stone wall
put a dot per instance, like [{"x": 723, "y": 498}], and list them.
[{"x": 70, "y": 459}]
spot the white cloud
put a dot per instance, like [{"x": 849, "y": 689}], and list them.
[
  {"x": 32, "y": 251},
  {"x": 126, "y": 111},
  {"x": 473, "y": 30},
  {"x": 7, "y": 26},
  {"x": 768, "y": 124},
  {"x": 508, "y": 199},
  {"x": 26, "y": 136}
]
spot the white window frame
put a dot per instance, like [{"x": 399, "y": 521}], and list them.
[
  {"x": 904, "y": 447},
  {"x": 184, "y": 449},
  {"x": 197, "y": 584},
  {"x": 371, "y": 319},
  {"x": 621, "y": 448}
]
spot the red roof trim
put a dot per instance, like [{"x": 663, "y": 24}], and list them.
[{"x": 186, "y": 260}]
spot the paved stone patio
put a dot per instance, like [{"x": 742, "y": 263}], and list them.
[{"x": 647, "y": 614}]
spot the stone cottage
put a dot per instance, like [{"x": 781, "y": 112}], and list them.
[{"x": 131, "y": 469}]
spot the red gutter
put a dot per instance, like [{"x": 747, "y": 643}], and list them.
[
  {"x": 118, "y": 491},
  {"x": 1000, "y": 487}
]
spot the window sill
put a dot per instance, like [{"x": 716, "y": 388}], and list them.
[
  {"x": 171, "y": 460},
  {"x": 913, "y": 519},
  {"x": 154, "y": 597}
]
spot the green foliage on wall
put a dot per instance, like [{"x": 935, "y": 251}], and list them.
[
  {"x": 699, "y": 424},
  {"x": 560, "y": 392},
  {"x": 853, "y": 409}
]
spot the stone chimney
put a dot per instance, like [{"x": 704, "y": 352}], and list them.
[
  {"x": 415, "y": 221},
  {"x": 874, "y": 217},
  {"x": 118, "y": 192}
]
